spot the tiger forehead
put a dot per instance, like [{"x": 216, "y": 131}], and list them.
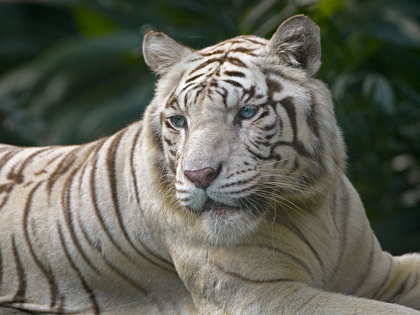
[
  {"x": 241, "y": 44},
  {"x": 230, "y": 53},
  {"x": 217, "y": 70},
  {"x": 225, "y": 87}
]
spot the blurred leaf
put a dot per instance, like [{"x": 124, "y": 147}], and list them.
[
  {"x": 326, "y": 8},
  {"x": 92, "y": 23},
  {"x": 378, "y": 89}
]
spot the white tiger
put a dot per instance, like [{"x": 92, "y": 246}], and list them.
[{"x": 229, "y": 197}]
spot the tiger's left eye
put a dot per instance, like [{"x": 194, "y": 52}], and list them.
[
  {"x": 247, "y": 112},
  {"x": 178, "y": 121}
]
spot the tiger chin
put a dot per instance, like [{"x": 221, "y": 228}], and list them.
[{"x": 228, "y": 197}]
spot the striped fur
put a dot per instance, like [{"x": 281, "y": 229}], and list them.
[{"x": 120, "y": 226}]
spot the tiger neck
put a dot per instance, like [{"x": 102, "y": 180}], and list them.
[{"x": 113, "y": 183}]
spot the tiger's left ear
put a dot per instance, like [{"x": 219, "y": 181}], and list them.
[
  {"x": 161, "y": 52},
  {"x": 297, "y": 41}
]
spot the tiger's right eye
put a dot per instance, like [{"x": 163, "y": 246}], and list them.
[
  {"x": 247, "y": 112},
  {"x": 178, "y": 121}
]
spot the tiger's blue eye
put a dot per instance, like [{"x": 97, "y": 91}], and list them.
[
  {"x": 247, "y": 112},
  {"x": 178, "y": 121}
]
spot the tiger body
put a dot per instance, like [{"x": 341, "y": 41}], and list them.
[
  {"x": 202, "y": 207},
  {"x": 37, "y": 229}
]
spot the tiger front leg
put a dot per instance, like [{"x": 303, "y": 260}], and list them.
[
  {"x": 217, "y": 290},
  {"x": 402, "y": 282}
]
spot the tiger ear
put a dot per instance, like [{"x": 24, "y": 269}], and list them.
[
  {"x": 161, "y": 52},
  {"x": 297, "y": 41}
]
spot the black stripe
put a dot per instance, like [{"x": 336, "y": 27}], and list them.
[
  {"x": 254, "y": 41},
  {"x": 204, "y": 64},
  {"x": 56, "y": 157},
  {"x": 234, "y": 83},
  {"x": 256, "y": 155},
  {"x": 173, "y": 104},
  {"x": 263, "y": 143},
  {"x": 273, "y": 86},
  {"x": 168, "y": 141},
  {"x": 68, "y": 218},
  {"x": 235, "y": 74},
  {"x": 62, "y": 168},
  {"x": 295, "y": 230},
  {"x": 235, "y": 61},
  {"x": 275, "y": 71},
  {"x": 1, "y": 267},
  {"x": 186, "y": 87},
  {"x": 306, "y": 302},
  {"x": 400, "y": 289},
  {"x": 194, "y": 77},
  {"x": 4, "y": 148},
  {"x": 169, "y": 126},
  {"x": 5, "y": 188},
  {"x": 295, "y": 259},
  {"x": 240, "y": 172},
  {"x": 244, "y": 50},
  {"x": 8, "y": 156},
  {"x": 248, "y": 92},
  {"x": 333, "y": 206},
  {"x": 241, "y": 190},
  {"x": 236, "y": 40},
  {"x": 82, "y": 175},
  {"x": 125, "y": 277},
  {"x": 224, "y": 95},
  {"x": 239, "y": 182},
  {"x": 86, "y": 288},
  {"x": 107, "y": 262},
  {"x": 381, "y": 286},
  {"x": 133, "y": 173},
  {"x": 172, "y": 165},
  {"x": 154, "y": 132},
  {"x": 54, "y": 292},
  {"x": 298, "y": 146},
  {"x": 21, "y": 291},
  {"x": 344, "y": 211},
  {"x": 289, "y": 106},
  {"x": 17, "y": 176},
  {"x": 414, "y": 285},
  {"x": 311, "y": 118},
  {"x": 364, "y": 275},
  {"x": 112, "y": 176},
  {"x": 40, "y": 172},
  {"x": 95, "y": 201},
  {"x": 264, "y": 114},
  {"x": 213, "y": 52},
  {"x": 249, "y": 280}
]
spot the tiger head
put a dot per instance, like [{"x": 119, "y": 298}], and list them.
[{"x": 243, "y": 125}]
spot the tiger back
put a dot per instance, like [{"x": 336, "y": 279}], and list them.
[{"x": 229, "y": 197}]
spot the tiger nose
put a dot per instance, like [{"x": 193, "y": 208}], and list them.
[{"x": 204, "y": 177}]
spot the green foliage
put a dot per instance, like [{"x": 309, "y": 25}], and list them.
[{"x": 72, "y": 71}]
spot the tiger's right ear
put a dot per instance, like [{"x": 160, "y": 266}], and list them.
[
  {"x": 297, "y": 41},
  {"x": 161, "y": 52}
]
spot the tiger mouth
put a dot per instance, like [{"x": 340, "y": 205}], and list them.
[{"x": 218, "y": 208}]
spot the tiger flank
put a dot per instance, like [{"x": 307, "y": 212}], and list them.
[{"x": 229, "y": 197}]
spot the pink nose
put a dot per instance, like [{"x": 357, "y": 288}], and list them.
[{"x": 204, "y": 177}]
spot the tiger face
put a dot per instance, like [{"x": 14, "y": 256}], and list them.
[{"x": 238, "y": 125}]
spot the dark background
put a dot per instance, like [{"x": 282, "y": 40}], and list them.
[{"x": 72, "y": 71}]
